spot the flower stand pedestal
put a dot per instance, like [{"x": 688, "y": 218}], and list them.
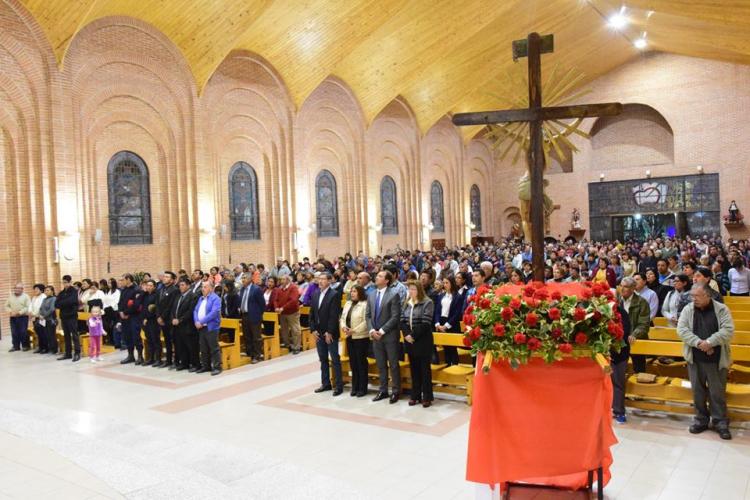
[{"x": 547, "y": 425}]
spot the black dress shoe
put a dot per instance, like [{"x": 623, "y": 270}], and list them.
[
  {"x": 179, "y": 368},
  {"x": 254, "y": 361},
  {"x": 338, "y": 392},
  {"x": 380, "y": 396},
  {"x": 426, "y": 404},
  {"x": 698, "y": 428},
  {"x": 129, "y": 359},
  {"x": 724, "y": 433},
  {"x": 414, "y": 402},
  {"x": 24, "y": 349},
  {"x": 13, "y": 349},
  {"x": 361, "y": 394},
  {"x": 394, "y": 397},
  {"x": 215, "y": 372},
  {"x": 353, "y": 393},
  {"x": 193, "y": 369},
  {"x": 38, "y": 351},
  {"x": 202, "y": 370},
  {"x": 76, "y": 357},
  {"x": 322, "y": 388},
  {"x": 64, "y": 356}
]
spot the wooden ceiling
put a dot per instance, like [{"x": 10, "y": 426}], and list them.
[{"x": 440, "y": 55}]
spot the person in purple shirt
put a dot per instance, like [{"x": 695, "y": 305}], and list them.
[
  {"x": 207, "y": 318},
  {"x": 310, "y": 290}
]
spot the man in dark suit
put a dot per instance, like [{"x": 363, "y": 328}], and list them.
[
  {"x": 383, "y": 320},
  {"x": 325, "y": 310},
  {"x": 67, "y": 304},
  {"x": 131, "y": 312},
  {"x": 165, "y": 300},
  {"x": 186, "y": 336},
  {"x": 252, "y": 305}
]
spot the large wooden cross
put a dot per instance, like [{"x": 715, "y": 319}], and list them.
[{"x": 533, "y": 47}]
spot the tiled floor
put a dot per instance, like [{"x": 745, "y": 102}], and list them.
[{"x": 110, "y": 431}]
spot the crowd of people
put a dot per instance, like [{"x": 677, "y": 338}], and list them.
[{"x": 413, "y": 293}]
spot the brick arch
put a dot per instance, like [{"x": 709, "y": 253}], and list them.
[
  {"x": 639, "y": 136},
  {"x": 113, "y": 87},
  {"x": 246, "y": 114},
  {"x": 392, "y": 143},
  {"x": 442, "y": 159},
  {"x": 330, "y": 135},
  {"x": 29, "y": 78}
]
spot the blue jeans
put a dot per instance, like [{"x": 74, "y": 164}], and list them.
[
  {"x": 325, "y": 373},
  {"x": 19, "y": 333}
]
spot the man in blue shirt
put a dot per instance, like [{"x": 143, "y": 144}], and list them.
[{"x": 207, "y": 318}]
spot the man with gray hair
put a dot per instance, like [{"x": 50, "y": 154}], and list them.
[
  {"x": 489, "y": 273},
  {"x": 18, "y": 307},
  {"x": 706, "y": 328},
  {"x": 639, "y": 313}
]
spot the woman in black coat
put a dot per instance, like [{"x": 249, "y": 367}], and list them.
[
  {"x": 230, "y": 306},
  {"x": 448, "y": 313},
  {"x": 416, "y": 325}
]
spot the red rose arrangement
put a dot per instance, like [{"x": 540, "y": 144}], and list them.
[{"x": 543, "y": 322}]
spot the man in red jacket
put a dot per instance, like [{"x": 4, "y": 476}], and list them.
[{"x": 287, "y": 305}]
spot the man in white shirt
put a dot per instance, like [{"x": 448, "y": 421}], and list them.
[
  {"x": 17, "y": 307},
  {"x": 648, "y": 294}
]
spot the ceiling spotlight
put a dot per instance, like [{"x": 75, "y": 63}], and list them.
[
  {"x": 618, "y": 21},
  {"x": 640, "y": 43}
]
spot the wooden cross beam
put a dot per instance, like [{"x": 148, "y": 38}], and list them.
[{"x": 533, "y": 47}]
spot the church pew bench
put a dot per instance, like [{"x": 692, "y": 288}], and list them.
[
  {"x": 270, "y": 333},
  {"x": 308, "y": 341},
  {"x": 733, "y": 299},
  {"x": 741, "y": 322},
  {"x": 231, "y": 352},
  {"x": 673, "y": 394}
]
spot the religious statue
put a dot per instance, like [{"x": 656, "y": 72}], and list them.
[
  {"x": 524, "y": 196},
  {"x": 733, "y": 212},
  {"x": 575, "y": 220},
  {"x": 515, "y": 231}
]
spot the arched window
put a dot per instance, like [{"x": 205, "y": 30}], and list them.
[
  {"x": 243, "y": 202},
  {"x": 388, "y": 207},
  {"x": 129, "y": 200},
  {"x": 326, "y": 206},
  {"x": 475, "y": 198},
  {"x": 436, "y": 207}
]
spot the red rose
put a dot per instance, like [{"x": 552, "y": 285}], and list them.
[
  {"x": 532, "y": 319},
  {"x": 130, "y": 303},
  {"x": 484, "y": 303},
  {"x": 611, "y": 327},
  {"x": 579, "y": 314},
  {"x": 482, "y": 290},
  {"x": 556, "y": 333},
  {"x": 475, "y": 333},
  {"x": 515, "y": 303},
  {"x": 519, "y": 338},
  {"x": 566, "y": 348},
  {"x": 533, "y": 344},
  {"x": 554, "y": 313},
  {"x": 537, "y": 284},
  {"x": 619, "y": 334},
  {"x": 506, "y": 313},
  {"x": 528, "y": 291},
  {"x": 597, "y": 316},
  {"x": 586, "y": 294},
  {"x": 555, "y": 295},
  {"x": 499, "y": 330},
  {"x": 469, "y": 319},
  {"x": 472, "y": 299},
  {"x": 581, "y": 338},
  {"x": 541, "y": 294},
  {"x": 467, "y": 341},
  {"x": 469, "y": 310},
  {"x": 532, "y": 302}
]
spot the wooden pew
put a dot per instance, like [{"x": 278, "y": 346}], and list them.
[
  {"x": 231, "y": 352},
  {"x": 741, "y": 322},
  {"x": 308, "y": 341},
  {"x": 733, "y": 299},
  {"x": 271, "y": 335},
  {"x": 673, "y": 394}
]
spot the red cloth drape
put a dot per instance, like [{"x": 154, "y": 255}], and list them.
[{"x": 542, "y": 423}]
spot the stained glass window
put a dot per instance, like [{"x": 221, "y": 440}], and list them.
[
  {"x": 436, "y": 207},
  {"x": 129, "y": 200},
  {"x": 326, "y": 206},
  {"x": 476, "y": 207},
  {"x": 243, "y": 202},
  {"x": 388, "y": 207}
]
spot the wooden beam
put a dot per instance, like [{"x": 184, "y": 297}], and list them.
[{"x": 527, "y": 115}]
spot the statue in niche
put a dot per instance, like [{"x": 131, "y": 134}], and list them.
[{"x": 575, "y": 220}]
